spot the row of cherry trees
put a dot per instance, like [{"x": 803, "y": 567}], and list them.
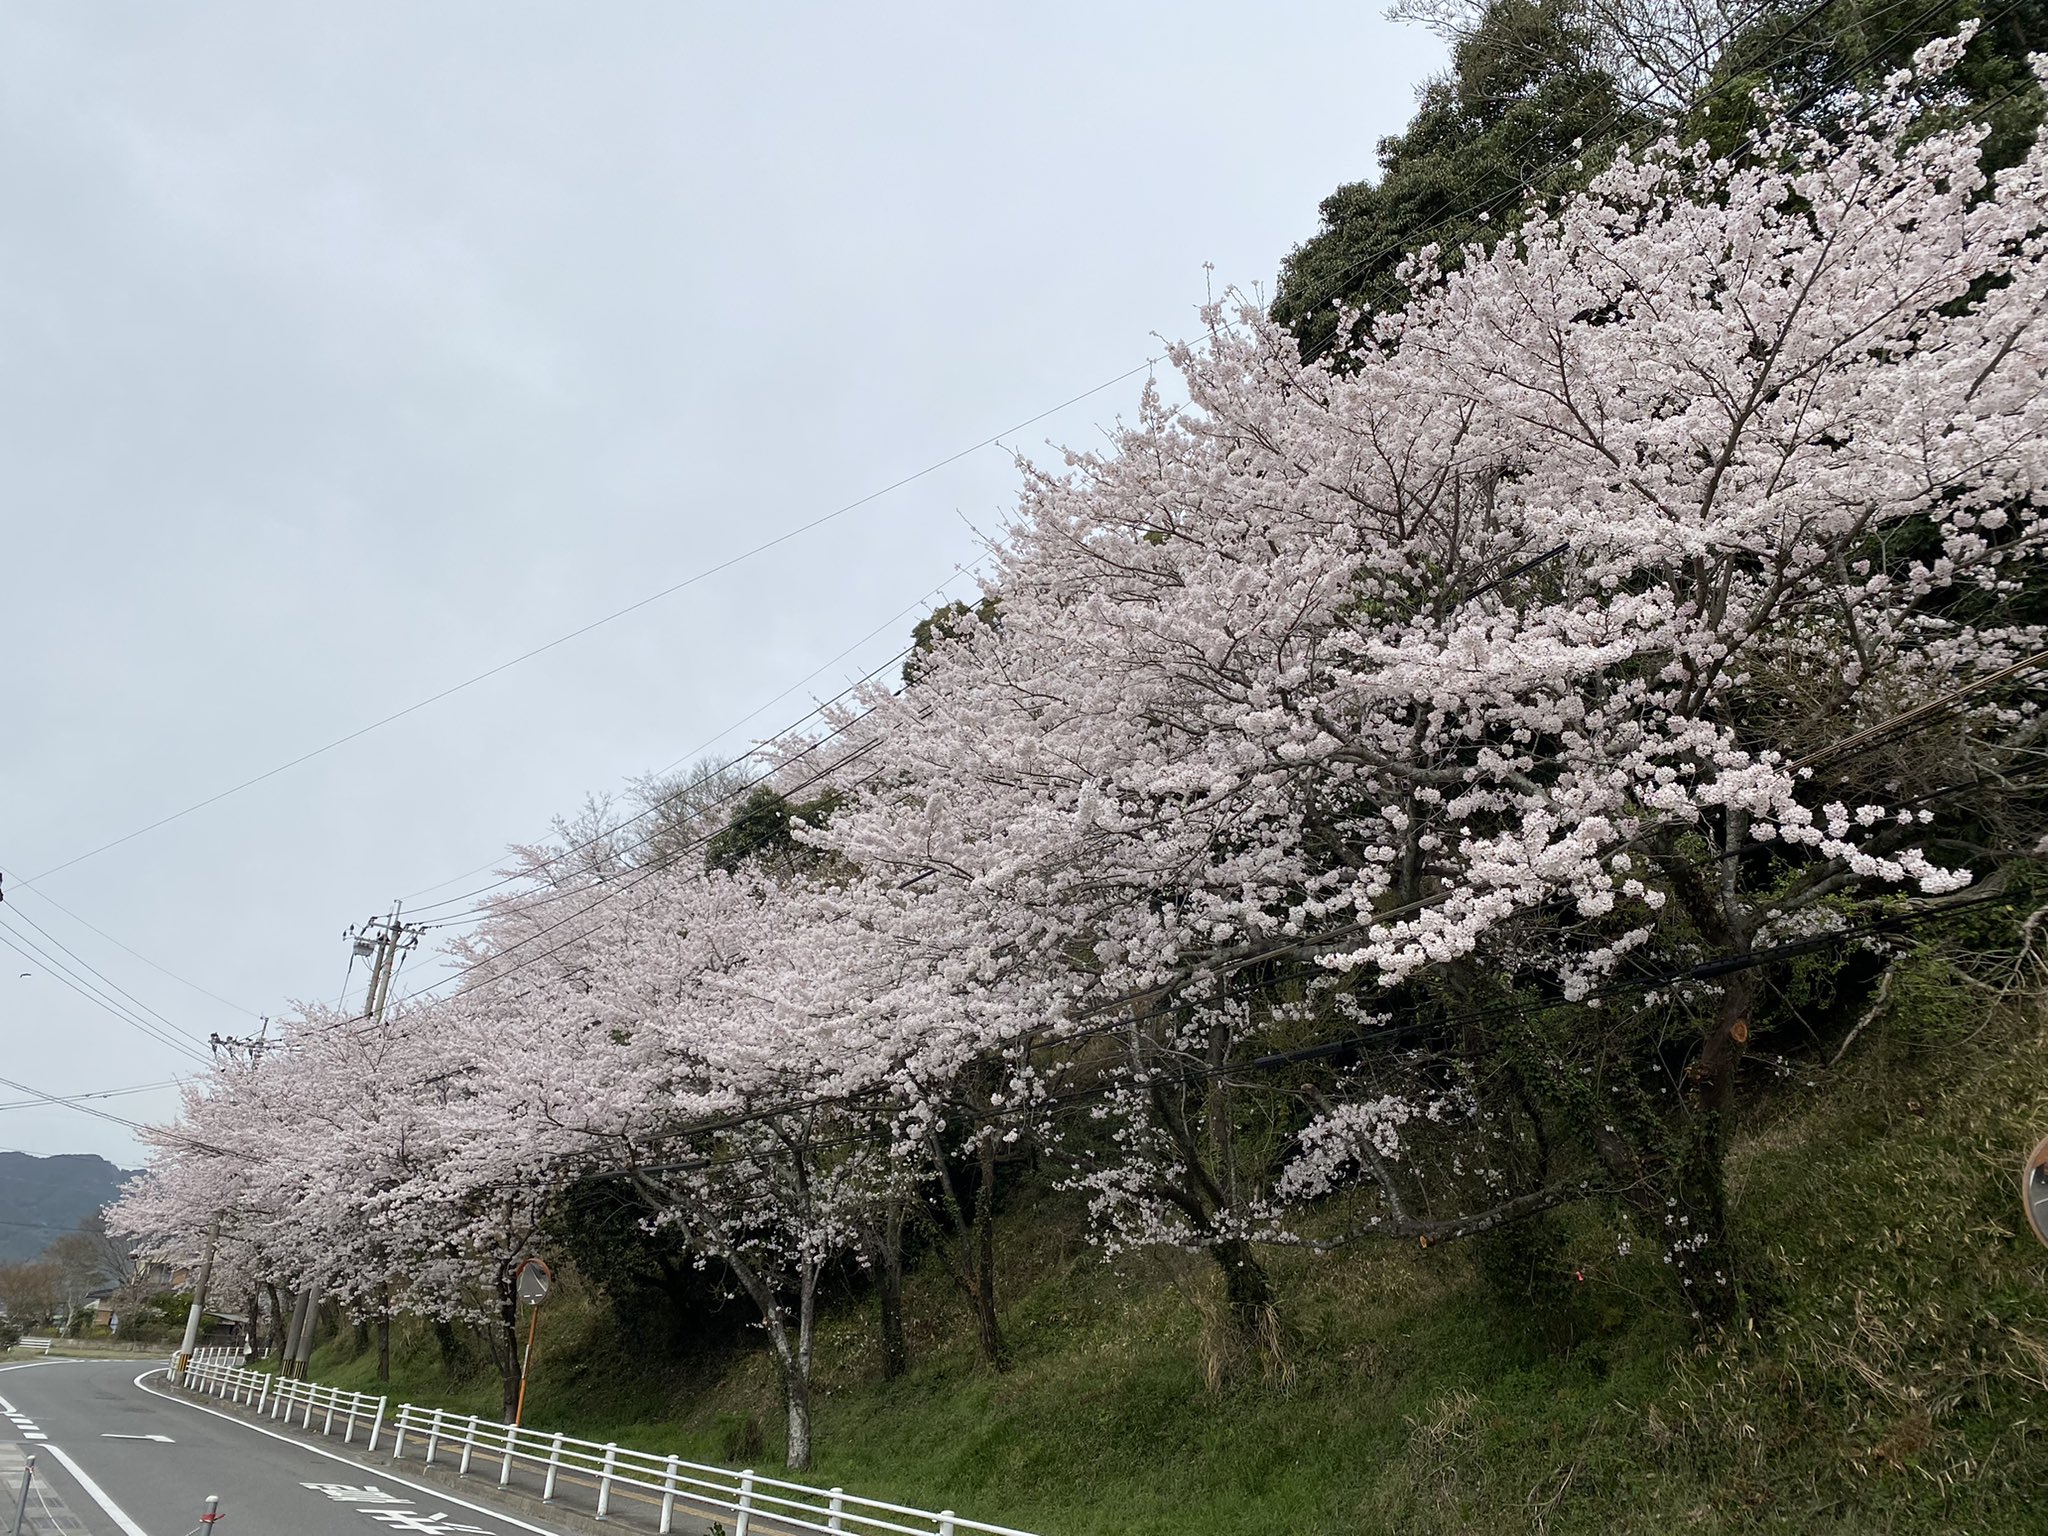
[{"x": 1369, "y": 802}]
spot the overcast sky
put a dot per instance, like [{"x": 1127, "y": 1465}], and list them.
[{"x": 350, "y": 350}]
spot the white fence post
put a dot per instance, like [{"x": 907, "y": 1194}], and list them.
[
  {"x": 668, "y": 1497},
  {"x": 333, "y": 1402},
  {"x": 945, "y": 1522},
  {"x": 433, "y": 1436},
  {"x": 745, "y": 1508},
  {"x": 604, "y": 1481},
  {"x": 547, "y": 1492},
  {"x": 398, "y": 1431},
  {"x": 377, "y": 1421},
  {"x": 468, "y": 1446},
  {"x": 511, "y": 1444},
  {"x": 837, "y": 1507}
]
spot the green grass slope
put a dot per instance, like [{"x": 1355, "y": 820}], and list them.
[{"x": 1896, "y": 1381}]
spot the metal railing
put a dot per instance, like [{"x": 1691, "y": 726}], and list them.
[
  {"x": 275, "y": 1397},
  {"x": 553, "y": 1466},
  {"x": 663, "y": 1484}
]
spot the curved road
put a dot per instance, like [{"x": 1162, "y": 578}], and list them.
[{"x": 120, "y": 1460}]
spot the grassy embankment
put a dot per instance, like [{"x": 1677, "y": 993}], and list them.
[{"x": 1899, "y": 1382}]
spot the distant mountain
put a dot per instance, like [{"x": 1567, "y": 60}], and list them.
[{"x": 42, "y": 1198}]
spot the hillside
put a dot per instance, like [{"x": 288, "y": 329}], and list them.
[
  {"x": 41, "y": 1198},
  {"x": 1893, "y": 1383}
]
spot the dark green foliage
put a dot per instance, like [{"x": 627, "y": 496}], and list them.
[
  {"x": 657, "y": 1291},
  {"x": 936, "y": 626},
  {"x": 1535, "y": 1286},
  {"x": 1527, "y": 108},
  {"x": 1504, "y": 118},
  {"x": 1808, "y": 55},
  {"x": 763, "y": 828}
]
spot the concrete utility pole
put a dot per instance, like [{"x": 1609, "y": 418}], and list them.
[
  {"x": 198, "y": 1298},
  {"x": 383, "y": 942},
  {"x": 309, "y": 1324},
  {"x": 199, "y": 1281},
  {"x": 290, "y": 1351}
]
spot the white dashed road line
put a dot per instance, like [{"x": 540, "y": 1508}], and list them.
[{"x": 21, "y": 1421}]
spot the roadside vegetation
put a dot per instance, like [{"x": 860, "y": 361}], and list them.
[
  {"x": 1459, "y": 940},
  {"x": 1893, "y": 1383}
]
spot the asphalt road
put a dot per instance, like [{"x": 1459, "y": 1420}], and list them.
[{"x": 122, "y": 1461}]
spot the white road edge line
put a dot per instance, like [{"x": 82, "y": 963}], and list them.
[
  {"x": 113, "y": 1511},
  {"x": 383, "y": 1474}
]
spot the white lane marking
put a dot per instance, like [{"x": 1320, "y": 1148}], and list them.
[
  {"x": 440, "y": 1495},
  {"x": 164, "y": 1439},
  {"x": 93, "y": 1491},
  {"x": 6, "y": 1407}
]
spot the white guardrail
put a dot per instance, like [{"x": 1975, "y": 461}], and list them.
[{"x": 551, "y": 1464}]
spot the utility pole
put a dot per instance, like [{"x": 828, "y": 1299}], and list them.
[
  {"x": 198, "y": 1298},
  {"x": 384, "y": 942},
  {"x": 218, "y": 1043}
]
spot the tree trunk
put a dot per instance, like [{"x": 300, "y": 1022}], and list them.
[
  {"x": 970, "y": 1247},
  {"x": 384, "y": 1342},
  {"x": 798, "y": 1381},
  {"x": 988, "y": 1327},
  {"x": 273, "y": 1338},
  {"x": 888, "y": 1262},
  {"x": 797, "y": 1394},
  {"x": 1246, "y": 1290},
  {"x": 1698, "y": 1241},
  {"x": 508, "y": 1352}
]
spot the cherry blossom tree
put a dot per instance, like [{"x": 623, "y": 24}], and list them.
[{"x": 1368, "y": 799}]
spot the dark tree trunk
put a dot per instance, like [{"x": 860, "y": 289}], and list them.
[
  {"x": 273, "y": 1340},
  {"x": 508, "y": 1346},
  {"x": 969, "y": 1245},
  {"x": 988, "y": 1327},
  {"x": 445, "y": 1340},
  {"x": 888, "y": 1263},
  {"x": 384, "y": 1341},
  {"x": 1246, "y": 1290}
]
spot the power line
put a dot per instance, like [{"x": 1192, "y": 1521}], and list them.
[
  {"x": 696, "y": 814},
  {"x": 598, "y": 623},
  {"x": 100, "y": 1093},
  {"x": 69, "y": 978},
  {"x": 160, "y": 1133},
  {"x": 613, "y": 892},
  {"x": 182, "y": 981},
  {"x": 105, "y": 980},
  {"x": 666, "y": 800}
]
